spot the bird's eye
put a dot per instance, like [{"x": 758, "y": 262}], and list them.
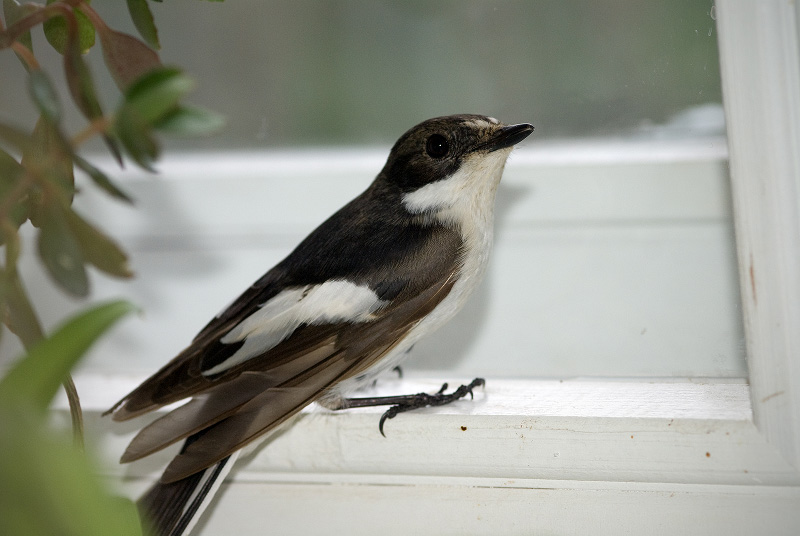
[{"x": 437, "y": 146}]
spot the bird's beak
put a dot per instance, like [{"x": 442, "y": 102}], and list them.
[{"x": 507, "y": 136}]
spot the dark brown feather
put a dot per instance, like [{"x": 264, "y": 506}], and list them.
[{"x": 359, "y": 346}]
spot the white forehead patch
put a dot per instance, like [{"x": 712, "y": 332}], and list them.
[
  {"x": 481, "y": 123},
  {"x": 332, "y": 301},
  {"x": 493, "y": 121}
]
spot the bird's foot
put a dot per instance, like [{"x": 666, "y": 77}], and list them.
[{"x": 403, "y": 403}]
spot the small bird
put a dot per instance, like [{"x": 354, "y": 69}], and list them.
[{"x": 347, "y": 304}]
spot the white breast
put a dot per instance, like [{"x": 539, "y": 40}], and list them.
[{"x": 464, "y": 201}]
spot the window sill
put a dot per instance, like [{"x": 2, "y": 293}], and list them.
[{"x": 659, "y": 431}]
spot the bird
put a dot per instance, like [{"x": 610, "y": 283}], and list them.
[{"x": 344, "y": 306}]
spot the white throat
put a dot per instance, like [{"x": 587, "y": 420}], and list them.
[{"x": 465, "y": 201}]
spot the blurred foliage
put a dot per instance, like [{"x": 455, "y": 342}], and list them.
[{"x": 45, "y": 486}]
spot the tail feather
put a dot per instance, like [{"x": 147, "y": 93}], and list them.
[{"x": 174, "y": 509}]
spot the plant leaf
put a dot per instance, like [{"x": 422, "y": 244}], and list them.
[
  {"x": 126, "y": 57},
  {"x": 61, "y": 252},
  {"x": 14, "y": 136},
  {"x": 44, "y": 95},
  {"x": 48, "y": 157},
  {"x": 47, "y": 486},
  {"x": 11, "y": 172},
  {"x": 137, "y": 138},
  {"x": 79, "y": 80},
  {"x": 190, "y": 121},
  {"x": 81, "y": 87},
  {"x": 36, "y": 378},
  {"x": 13, "y": 12},
  {"x": 57, "y": 32},
  {"x": 21, "y": 318},
  {"x": 143, "y": 20},
  {"x": 101, "y": 180},
  {"x": 156, "y": 93},
  {"x": 98, "y": 249}
]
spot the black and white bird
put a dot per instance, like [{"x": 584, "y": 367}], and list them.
[{"x": 388, "y": 268}]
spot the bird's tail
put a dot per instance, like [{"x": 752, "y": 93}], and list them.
[{"x": 173, "y": 509}]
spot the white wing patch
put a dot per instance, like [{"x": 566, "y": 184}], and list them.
[{"x": 332, "y": 301}]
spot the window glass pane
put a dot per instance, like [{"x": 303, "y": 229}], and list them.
[{"x": 359, "y": 72}]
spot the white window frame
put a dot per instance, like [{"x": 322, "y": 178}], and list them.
[{"x": 600, "y": 457}]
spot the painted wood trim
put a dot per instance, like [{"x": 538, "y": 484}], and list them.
[
  {"x": 758, "y": 41},
  {"x": 614, "y": 431},
  {"x": 478, "y": 507}
]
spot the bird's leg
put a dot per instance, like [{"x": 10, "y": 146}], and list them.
[
  {"x": 396, "y": 369},
  {"x": 403, "y": 403}
]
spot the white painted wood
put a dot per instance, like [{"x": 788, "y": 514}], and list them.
[
  {"x": 327, "y": 504},
  {"x": 761, "y": 85},
  {"x": 524, "y": 508},
  {"x": 628, "y": 244},
  {"x": 621, "y": 431},
  {"x": 568, "y": 457}
]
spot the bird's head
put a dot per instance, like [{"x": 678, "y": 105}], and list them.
[{"x": 443, "y": 159}]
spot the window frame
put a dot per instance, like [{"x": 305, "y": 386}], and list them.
[{"x": 638, "y": 442}]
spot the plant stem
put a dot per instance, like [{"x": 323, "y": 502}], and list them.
[
  {"x": 75, "y": 411},
  {"x": 98, "y": 126},
  {"x": 21, "y": 319},
  {"x": 23, "y": 52}
]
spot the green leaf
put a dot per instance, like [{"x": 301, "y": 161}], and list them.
[
  {"x": 101, "y": 180},
  {"x": 61, "y": 252},
  {"x": 136, "y": 138},
  {"x": 11, "y": 172},
  {"x": 49, "y": 158},
  {"x": 190, "y": 121},
  {"x": 13, "y": 12},
  {"x": 143, "y": 20},
  {"x": 56, "y": 31},
  {"x": 48, "y": 486},
  {"x": 157, "y": 93},
  {"x": 44, "y": 95},
  {"x": 14, "y": 136},
  {"x": 98, "y": 249},
  {"x": 21, "y": 318},
  {"x": 80, "y": 82},
  {"x": 113, "y": 147},
  {"x": 35, "y": 379}
]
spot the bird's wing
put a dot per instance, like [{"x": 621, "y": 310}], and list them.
[
  {"x": 284, "y": 343},
  {"x": 233, "y": 413}
]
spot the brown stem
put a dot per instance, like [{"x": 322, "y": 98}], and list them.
[
  {"x": 98, "y": 126},
  {"x": 13, "y": 32},
  {"x": 25, "y": 53},
  {"x": 21, "y": 319},
  {"x": 74, "y": 411}
]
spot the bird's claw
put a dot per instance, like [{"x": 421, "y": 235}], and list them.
[{"x": 422, "y": 400}]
